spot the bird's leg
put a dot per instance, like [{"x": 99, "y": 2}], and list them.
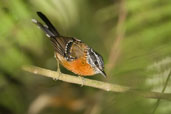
[
  {"x": 58, "y": 69},
  {"x": 82, "y": 79}
]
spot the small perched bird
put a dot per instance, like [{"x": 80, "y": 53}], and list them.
[{"x": 72, "y": 53}]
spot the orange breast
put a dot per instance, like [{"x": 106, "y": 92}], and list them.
[{"x": 78, "y": 66}]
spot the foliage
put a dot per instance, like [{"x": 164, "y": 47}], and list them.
[{"x": 146, "y": 40}]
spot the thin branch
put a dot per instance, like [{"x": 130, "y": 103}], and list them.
[
  {"x": 75, "y": 79},
  {"x": 96, "y": 84},
  {"x": 164, "y": 88}
]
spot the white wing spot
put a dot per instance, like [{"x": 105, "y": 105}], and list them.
[
  {"x": 46, "y": 26},
  {"x": 47, "y": 35},
  {"x": 34, "y": 20}
]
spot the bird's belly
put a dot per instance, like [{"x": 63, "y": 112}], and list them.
[{"x": 78, "y": 66}]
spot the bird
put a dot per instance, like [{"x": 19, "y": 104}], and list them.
[{"x": 72, "y": 53}]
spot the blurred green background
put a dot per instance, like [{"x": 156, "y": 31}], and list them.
[{"x": 133, "y": 36}]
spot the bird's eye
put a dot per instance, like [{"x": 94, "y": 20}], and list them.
[{"x": 96, "y": 62}]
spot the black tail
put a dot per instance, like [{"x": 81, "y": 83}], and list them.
[{"x": 49, "y": 29}]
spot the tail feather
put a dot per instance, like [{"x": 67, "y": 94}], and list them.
[
  {"x": 48, "y": 32},
  {"x": 48, "y": 23},
  {"x": 51, "y": 32}
]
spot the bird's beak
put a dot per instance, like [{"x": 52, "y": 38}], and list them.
[{"x": 103, "y": 73}]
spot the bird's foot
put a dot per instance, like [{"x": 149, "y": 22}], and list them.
[
  {"x": 56, "y": 77},
  {"x": 82, "y": 80}
]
